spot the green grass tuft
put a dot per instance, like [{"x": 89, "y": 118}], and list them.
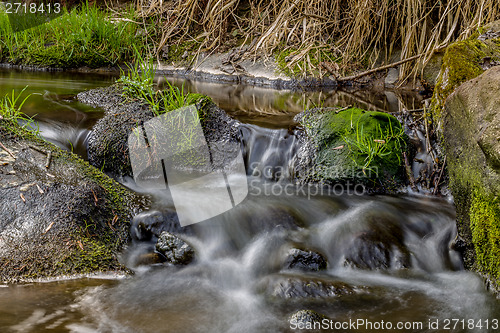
[
  {"x": 83, "y": 37},
  {"x": 10, "y": 111}
]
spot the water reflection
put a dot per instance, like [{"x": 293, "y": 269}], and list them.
[{"x": 276, "y": 108}]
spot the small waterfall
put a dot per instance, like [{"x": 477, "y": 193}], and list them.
[{"x": 269, "y": 153}]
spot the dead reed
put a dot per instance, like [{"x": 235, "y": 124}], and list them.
[{"x": 356, "y": 33}]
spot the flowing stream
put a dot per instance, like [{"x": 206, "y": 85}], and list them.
[{"x": 389, "y": 257}]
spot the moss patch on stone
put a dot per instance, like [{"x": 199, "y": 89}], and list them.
[
  {"x": 469, "y": 124},
  {"x": 461, "y": 62},
  {"x": 182, "y": 53},
  {"x": 485, "y": 225},
  {"x": 341, "y": 139}
]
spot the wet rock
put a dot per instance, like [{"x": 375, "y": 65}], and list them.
[
  {"x": 307, "y": 320},
  {"x": 305, "y": 260},
  {"x": 66, "y": 219},
  {"x": 334, "y": 152},
  {"x": 379, "y": 244},
  {"x": 108, "y": 143},
  {"x": 174, "y": 249},
  {"x": 150, "y": 224},
  {"x": 368, "y": 251},
  {"x": 296, "y": 287}
]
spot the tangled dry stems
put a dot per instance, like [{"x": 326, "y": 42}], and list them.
[{"x": 353, "y": 32}]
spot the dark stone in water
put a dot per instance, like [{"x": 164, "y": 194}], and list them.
[
  {"x": 305, "y": 260},
  {"x": 108, "y": 142},
  {"x": 151, "y": 224},
  {"x": 380, "y": 244},
  {"x": 174, "y": 249}
]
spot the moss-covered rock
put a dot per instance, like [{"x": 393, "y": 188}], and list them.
[
  {"x": 461, "y": 62},
  {"x": 352, "y": 145},
  {"x": 65, "y": 219},
  {"x": 108, "y": 143},
  {"x": 470, "y": 128}
]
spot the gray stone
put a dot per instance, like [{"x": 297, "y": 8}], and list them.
[
  {"x": 305, "y": 260},
  {"x": 174, "y": 249}
]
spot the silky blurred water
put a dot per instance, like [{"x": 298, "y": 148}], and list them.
[{"x": 238, "y": 282}]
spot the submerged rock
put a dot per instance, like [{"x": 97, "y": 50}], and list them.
[
  {"x": 371, "y": 251},
  {"x": 58, "y": 215},
  {"x": 305, "y": 260},
  {"x": 296, "y": 287},
  {"x": 378, "y": 242},
  {"x": 174, "y": 249},
  {"x": 150, "y": 224}
]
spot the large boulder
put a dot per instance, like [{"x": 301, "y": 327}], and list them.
[
  {"x": 471, "y": 138},
  {"x": 58, "y": 215}
]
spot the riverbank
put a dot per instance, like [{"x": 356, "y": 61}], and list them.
[{"x": 236, "y": 52}]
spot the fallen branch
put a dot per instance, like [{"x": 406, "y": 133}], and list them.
[
  {"x": 381, "y": 68},
  {"x": 49, "y": 157},
  {"x": 378, "y": 69}
]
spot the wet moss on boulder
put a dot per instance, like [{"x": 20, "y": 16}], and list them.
[
  {"x": 351, "y": 145},
  {"x": 462, "y": 61},
  {"x": 66, "y": 219}
]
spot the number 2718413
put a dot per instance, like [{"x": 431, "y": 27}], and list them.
[{"x": 32, "y": 8}]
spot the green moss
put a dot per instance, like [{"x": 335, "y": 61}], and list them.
[
  {"x": 461, "y": 62},
  {"x": 485, "y": 227},
  {"x": 91, "y": 255},
  {"x": 340, "y": 137}
]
